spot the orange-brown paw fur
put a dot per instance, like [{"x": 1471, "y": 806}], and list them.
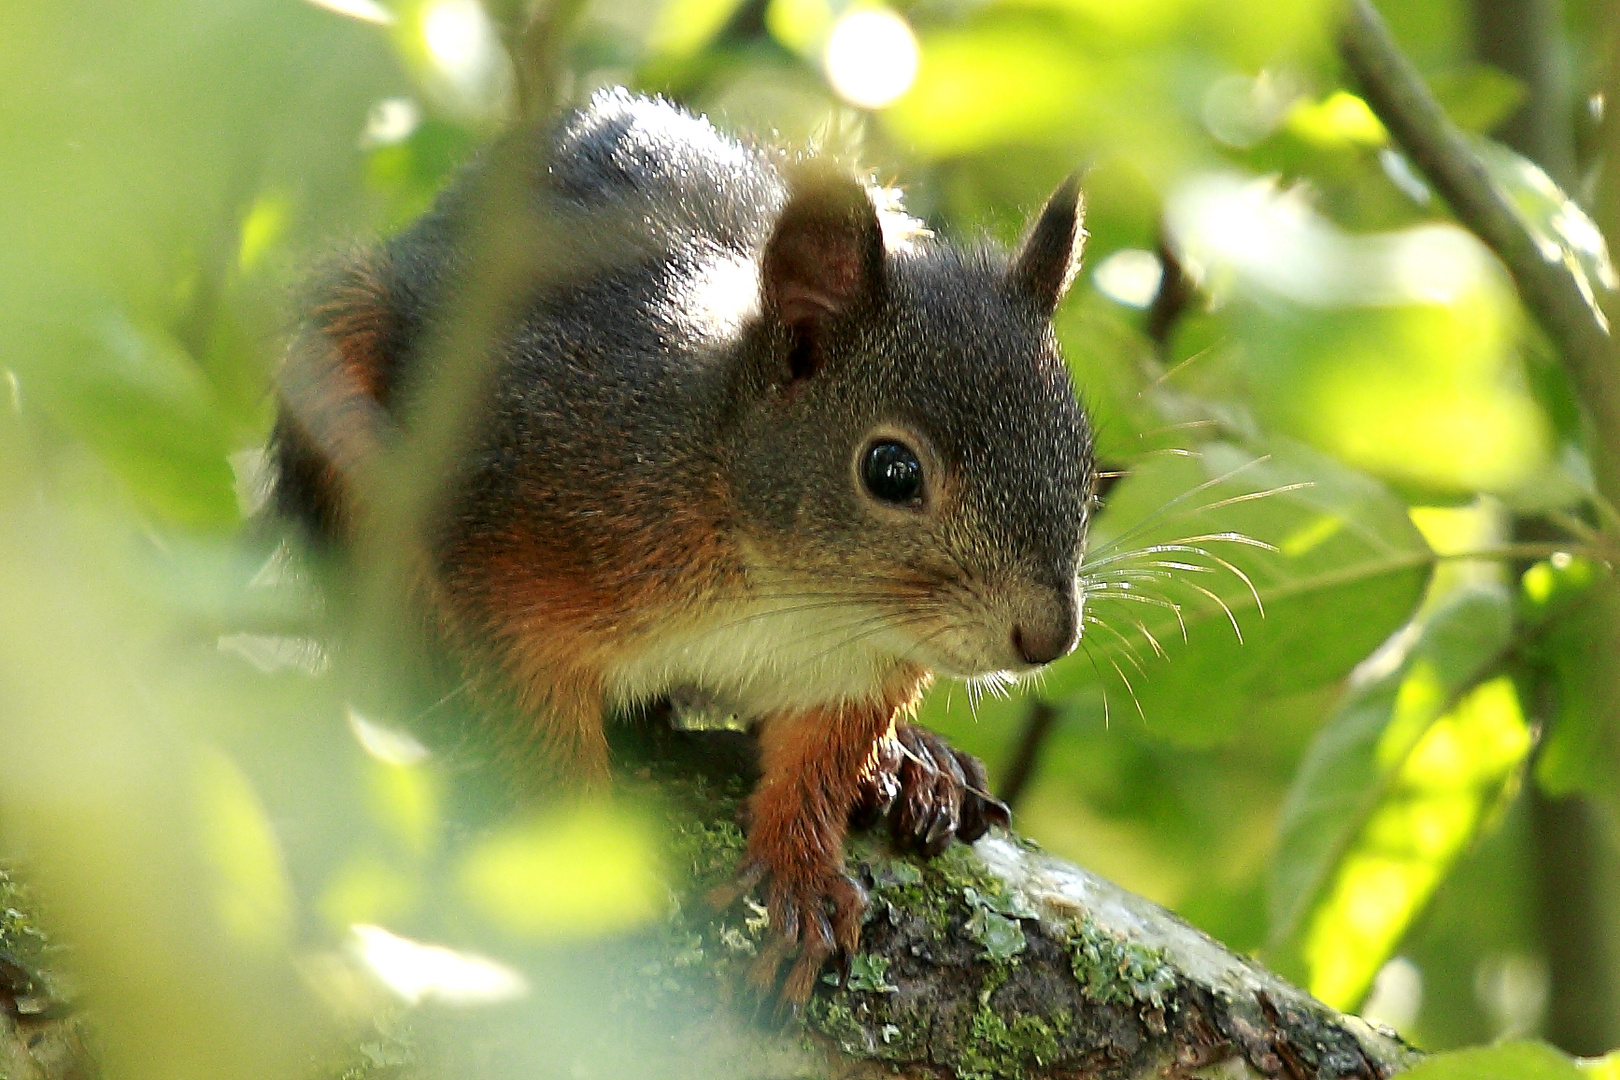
[
  {"x": 929, "y": 793},
  {"x": 816, "y": 915}
]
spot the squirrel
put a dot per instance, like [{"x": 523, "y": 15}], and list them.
[{"x": 765, "y": 439}]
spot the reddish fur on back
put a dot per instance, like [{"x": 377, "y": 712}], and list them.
[{"x": 332, "y": 421}]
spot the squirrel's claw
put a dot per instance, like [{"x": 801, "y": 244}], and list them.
[
  {"x": 749, "y": 874},
  {"x": 943, "y": 794},
  {"x": 880, "y": 785},
  {"x": 819, "y": 917},
  {"x": 980, "y": 809}
]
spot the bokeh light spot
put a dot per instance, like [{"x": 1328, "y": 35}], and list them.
[
  {"x": 365, "y": 10},
  {"x": 459, "y": 39},
  {"x": 1129, "y": 276},
  {"x": 871, "y": 57},
  {"x": 417, "y": 972}
]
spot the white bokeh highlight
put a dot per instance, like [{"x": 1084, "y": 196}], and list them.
[{"x": 871, "y": 57}]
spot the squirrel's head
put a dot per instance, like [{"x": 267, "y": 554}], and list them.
[{"x": 908, "y": 439}]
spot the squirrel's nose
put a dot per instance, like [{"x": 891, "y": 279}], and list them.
[{"x": 1044, "y": 639}]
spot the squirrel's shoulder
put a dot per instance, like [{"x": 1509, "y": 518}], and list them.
[{"x": 626, "y": 153}]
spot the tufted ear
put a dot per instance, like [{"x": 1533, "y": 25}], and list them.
[
  {"x": 1051, "y": 254},
  {"x": 826, "y": 252}
]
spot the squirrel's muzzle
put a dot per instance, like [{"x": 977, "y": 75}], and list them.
[{"x": 1049, "y": 630}]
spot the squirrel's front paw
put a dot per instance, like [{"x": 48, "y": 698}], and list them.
[
  {"x": 929, "y": 792},
  {"x": 814, "y": 913}
]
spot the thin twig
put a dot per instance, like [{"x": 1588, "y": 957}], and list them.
[
  {"x": 537, "y": 56},
  {"x": 1038, "y": 723},
  {"x": 1397, "y": 94}
]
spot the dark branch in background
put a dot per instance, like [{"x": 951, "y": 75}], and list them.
[
  {"x": 1176, "y": 291},
  {"x": 1038, "y": 722},
  {"x": 1396, "y": 92}
]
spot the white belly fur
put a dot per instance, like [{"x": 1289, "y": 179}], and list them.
[{"x": 768, "y": 656}]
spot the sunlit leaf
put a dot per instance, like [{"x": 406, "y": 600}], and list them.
[
  {"x": 251, "y": 894},
  {"x": 1477, "y": 97},
  {"x": 1561, "y": 229},
  {"x": 1559, "y": 597},
  {"x": 1339, "y": 118},
  {"x": 1397, "y": 352},
  {"x": 1509, "y": 1061},
  {"x": 1434, "y": 803},
  {"x": 579, "y": 873},
  {"x": 1393, "y": 699},
  {"x": 1348, "y": 567},
  {"x": 992, "y": 87},
  {"x": 1603, "y": 1068},
  {"x": 405, "y": 798},
  {"x": 366, "y": 889},
  {"x": 685, "y": 26}
]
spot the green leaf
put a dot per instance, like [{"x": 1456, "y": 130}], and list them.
[
  {"x": 1345, "y": 567},
  {"x": 1478, "y": 97},
  {"x": 992, "y": 87},
  {"x": 1508, "y": 1061},
  {"x": 1562, "y": 230},
  {"x": 1570, "y": 649},
  {"x": 1400, "y": 782},
  {"x": 133, "y": 395},
  {"x": 1407, "y": 684}
]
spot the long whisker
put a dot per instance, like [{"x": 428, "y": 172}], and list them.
[
  {"x": 1101, "y": 682},
  {"x": 1145, "y": 598},
  {"x": 1222, "y": 604},
  {"x": 1177, "y": 368},
  {"x": 1186, "y": 545},
  {"x": 1153, "y": 641},
  {"x": 1158, "y": 515},
  {"x": 1125, "y": 642},
  {"x": 1129, "y": 689}
]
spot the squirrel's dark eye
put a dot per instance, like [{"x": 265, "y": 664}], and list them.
[{"x": 892, "y": 473}]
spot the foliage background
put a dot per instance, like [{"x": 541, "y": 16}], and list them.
[{"x": 1430, "y": 836}]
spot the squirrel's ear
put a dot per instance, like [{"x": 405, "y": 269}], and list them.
[
  {"x": 827, "y": 249},
  {"x": 1051, "y": 255}
]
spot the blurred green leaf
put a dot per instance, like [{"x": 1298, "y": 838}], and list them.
[
  {"x": 1395, "y": 695},
  {"x": 585, "y": 871},
  {"x": 1394, "y": 790},
  {"x": 1396, "y": 352},
  {"x": 1477, "y": 97},
  {"x": 1348, "y": 567},
  {"x": 1509, "y": 1061},
  {"x": 134, "y": 395},
  {"x": 1559, "y": 597},
  {"x": 991, "y": 87}
]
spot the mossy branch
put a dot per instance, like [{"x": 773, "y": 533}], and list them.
[{"x": 1001, "y": 962}]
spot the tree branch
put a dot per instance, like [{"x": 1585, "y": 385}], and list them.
[{"x": 1399, "y": 97}]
